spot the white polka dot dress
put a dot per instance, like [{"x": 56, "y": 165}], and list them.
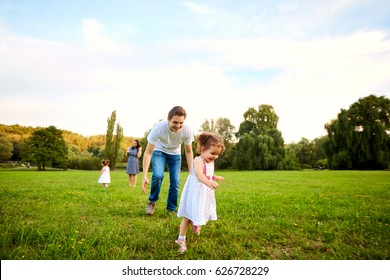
[{"x": 197, "y": 202}]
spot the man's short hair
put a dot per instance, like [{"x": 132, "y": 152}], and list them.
[{"x": 177, "y": 111}]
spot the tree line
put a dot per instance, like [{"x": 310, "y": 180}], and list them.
[
  {"x": 51, "y": 147},
  {"x": 358, "y": 138}
]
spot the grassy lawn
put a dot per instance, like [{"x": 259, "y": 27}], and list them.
[{"x": 282, "y": 215}]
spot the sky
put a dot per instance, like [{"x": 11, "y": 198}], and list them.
[{"x": 72, "y": 63}]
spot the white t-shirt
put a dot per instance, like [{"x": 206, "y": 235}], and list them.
[{"x": 168, "y": 141}]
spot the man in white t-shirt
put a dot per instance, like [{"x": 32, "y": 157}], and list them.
[{"x": 164, "y": 147}]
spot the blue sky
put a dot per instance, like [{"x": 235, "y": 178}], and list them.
[{"x": 71, "y": 63}]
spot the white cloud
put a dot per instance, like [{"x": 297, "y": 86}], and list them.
[
  {"x": 76, "y": 86},
  {"x": 317, "y": 77},
  {"x": 93, "y": 32},
  {"x": 300, "y": 16},
  {"x": 197, "y": 8}
]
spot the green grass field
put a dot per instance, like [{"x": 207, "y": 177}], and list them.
[{"x": 275, "y": 215}]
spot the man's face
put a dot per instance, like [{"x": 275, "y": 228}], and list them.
[{"x": 176, "y": 123}]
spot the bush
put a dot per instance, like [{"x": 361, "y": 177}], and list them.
[
  {"x": 84, "y": 163},
  {"x": 341, "y": 161},
  {"x": 322, "y": 163},
  {"x": 306, "y": 166}
]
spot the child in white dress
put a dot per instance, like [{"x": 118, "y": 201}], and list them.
[
  {"x": 105, "y": 177},
  {"x": 197, "y": 202}
]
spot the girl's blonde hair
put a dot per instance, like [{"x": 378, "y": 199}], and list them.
[{"x": 208, "y": 139}]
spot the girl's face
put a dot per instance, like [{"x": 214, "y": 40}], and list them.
[
  {"x": 134, "y": 143},
  {"x": 210, "y": 154}
]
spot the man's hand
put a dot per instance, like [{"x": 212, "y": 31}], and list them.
[{"x": 145, "y": 181}]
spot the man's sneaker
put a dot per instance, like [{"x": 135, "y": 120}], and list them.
[{"x": 150, "y": 207}]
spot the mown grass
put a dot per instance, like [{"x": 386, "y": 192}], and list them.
[{"x": 281, "y": 215}]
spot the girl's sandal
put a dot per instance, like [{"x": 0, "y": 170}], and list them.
[{"x": 182, "y": 246}]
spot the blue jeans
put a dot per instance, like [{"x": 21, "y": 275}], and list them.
[{"x": 159, "y": 159}]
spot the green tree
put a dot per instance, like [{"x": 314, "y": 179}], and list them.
[
  {"x": 319, "y": 152},
  {"x": 46, "y": 147},
  {"x": 223, "y": 127},
  {"x": 291, "y": 160},
  {"x": 143, "y": 141},
  {"x": 360, "y": 137},
  {"x": 257, "y": 122},
  {"x": 116, "y": 145},
  {"x": 243, "y": 158},
  {"x": 310, "y": 154},
  {"x": 16, "y": 153},
  {"x": 6, "y": 148},
  {"x": 304, "y": 151},
  {"x": 95, "y": 144},
  {"x": 260, "y": 145},
  {"x": 112, "y": 142}
]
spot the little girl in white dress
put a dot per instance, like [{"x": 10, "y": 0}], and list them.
[
  {"x": 197, "y": 202},
  {"x": 105, "y": 177}
]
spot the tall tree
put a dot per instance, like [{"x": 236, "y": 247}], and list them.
[
  {"x": 260, "y": 145},
  {"x": 112, "y": 142},
  {"x": 46, "y": 147},
  {"x": 109, "y": 136},
  {"x": 360, "y": 137},
  {"x": 259, "y": 121},
  {"x": 116, "y": 145}
]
